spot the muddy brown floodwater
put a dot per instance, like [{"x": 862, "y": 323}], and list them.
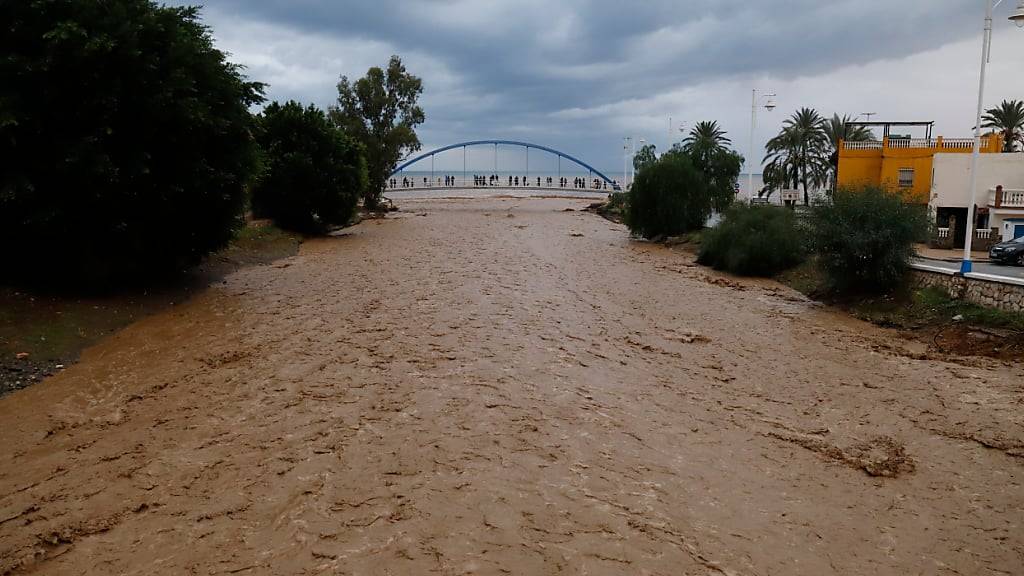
[{"x": 500, "y": 386}]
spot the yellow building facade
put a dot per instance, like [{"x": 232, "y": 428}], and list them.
[{"x": 902, "y": 164}]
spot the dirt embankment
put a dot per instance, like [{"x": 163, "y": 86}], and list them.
[
  {"x": 501, "y": 386},
  {"x": 43, "y": 332}
]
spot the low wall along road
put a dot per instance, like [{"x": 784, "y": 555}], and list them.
[{"x": 1002, "y": 293}]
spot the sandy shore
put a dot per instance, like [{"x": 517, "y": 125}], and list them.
[{"x": 503, "y": 387}]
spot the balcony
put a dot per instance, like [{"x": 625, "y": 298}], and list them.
[{"x": 1006, "y": 198}]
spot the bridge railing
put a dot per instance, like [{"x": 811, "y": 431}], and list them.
[{"x": 503, "y": 182}]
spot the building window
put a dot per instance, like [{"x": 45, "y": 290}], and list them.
[{"x": 906, "y": 177}]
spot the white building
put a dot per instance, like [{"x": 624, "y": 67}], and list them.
[{"x": 998, "y": 213}]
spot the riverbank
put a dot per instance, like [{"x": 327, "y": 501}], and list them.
[{"x": 41, "y": 333}]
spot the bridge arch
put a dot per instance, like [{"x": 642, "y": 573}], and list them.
[{"x": 526, "y": 145}]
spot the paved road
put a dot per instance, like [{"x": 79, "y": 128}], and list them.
[
  {"x": 496, "y": 387},
  {"x": 1016, "y": 272}
]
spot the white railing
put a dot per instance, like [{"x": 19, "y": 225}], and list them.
[
  {"x": 911, "y": 143},
  {"x": 958, "y": 143},
  {"x": 904, "y": 143},
  {"x": 866, "y": 145},
  {"x": 983, "y": 233},
  {"x": 943, "y": 232},
  {"x": 1012, "y": 198}
]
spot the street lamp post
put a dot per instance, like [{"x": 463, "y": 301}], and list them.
[
  {"x": 769, "y": 106},
  {"x": 986, "y": 48},
  {"x": 626, "y": 143}
]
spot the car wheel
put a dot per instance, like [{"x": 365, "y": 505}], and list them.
[{"x": 1020, "y": 259}]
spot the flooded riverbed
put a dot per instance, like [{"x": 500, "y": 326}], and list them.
[{"x": 498, "y": 386}]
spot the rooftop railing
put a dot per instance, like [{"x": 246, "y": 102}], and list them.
[{"x": 909, "y": 143}]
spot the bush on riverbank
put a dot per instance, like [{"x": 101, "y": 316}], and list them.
[
  {"x": 125, "y": 137},
  {"x": 753, "y": 241},
  {"x": 669, "y": 197},
  {"x": 314, "y": 175},
  {"x": 864, "y": 238}
]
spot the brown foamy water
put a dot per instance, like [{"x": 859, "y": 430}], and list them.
[{"x": 499, "y": 386}]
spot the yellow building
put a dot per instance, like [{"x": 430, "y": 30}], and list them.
[{"x": 900, "y": 163}]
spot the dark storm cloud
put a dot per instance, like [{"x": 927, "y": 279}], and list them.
[{"x": 514, "y": 65}]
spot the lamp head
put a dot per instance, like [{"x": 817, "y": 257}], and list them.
[
  {"x": 770, "y": 105},
  {"x": 1018, "y": 15}
]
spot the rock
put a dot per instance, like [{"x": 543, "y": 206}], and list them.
[
  {"x": 958, "y": 318},
  {"x": 21, "y": 355}
]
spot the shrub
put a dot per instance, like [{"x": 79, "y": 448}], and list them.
[
  {"x": 125, "y": 138},
  {"x": 865, "y": 238},
  {"x": 669, "y": 197},
  {"x": 313, "y": 174},
  {"x": 753, "y": 241}
]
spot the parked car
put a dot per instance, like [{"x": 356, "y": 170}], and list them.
[{"x": 1009, "y": 252}]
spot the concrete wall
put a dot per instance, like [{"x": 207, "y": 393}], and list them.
[
  {"x": 999, "y": 295},
  {"x": 952, "y": 177}
]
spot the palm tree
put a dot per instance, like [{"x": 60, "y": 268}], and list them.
[
  {"x": 1008, "y": 119},
  {"x": 839, "y": 130},
  {"x": 799, "y": 153},
  {"x": 706, "y": 135},
  {"x": 705, "y": 139}
]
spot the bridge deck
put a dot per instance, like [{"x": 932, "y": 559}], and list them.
[{"x": 486, "y": 191}]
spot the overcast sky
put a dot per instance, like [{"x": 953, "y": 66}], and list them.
[{"x": 579, "y": 75}]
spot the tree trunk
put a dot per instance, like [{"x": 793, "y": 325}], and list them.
[{"x": 803, "y": 177}]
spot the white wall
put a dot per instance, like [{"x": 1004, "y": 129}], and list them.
[{"x": 951, "y": 177}]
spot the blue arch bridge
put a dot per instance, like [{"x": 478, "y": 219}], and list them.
[{"x": 546, "y": 180}]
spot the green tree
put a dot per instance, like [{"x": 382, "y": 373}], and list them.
[
  {"x": 314, "y": 174},
  {"x": 840, "y": 130},
  {"x": 644, "y": 156},
  {"x": 864, "y": 238},
  {"x": 380, "y": 110},
  {"x": 753, "y": 241},
  {"x": 125, "y": 137},
  {"x": 704, "y": 139},
  {"x": 1008, "y": 119},
  {"x": 800, "y": 150},
  {"x": 708, "y": 148},
  {"x": 669, "y": 196}
]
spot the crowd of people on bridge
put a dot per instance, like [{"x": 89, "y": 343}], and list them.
[{"x": 479, "y": 180}]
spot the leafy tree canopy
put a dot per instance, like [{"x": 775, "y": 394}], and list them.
[
  {"x": 670, "y": 196},
  {"x": 707, "y": 147},
  {"x": 125, "y": 138},
  {"x": 864, "y": 237},
  {"x": 380, "y": 110},
  {"x": 753, "y": 241},
  {"x": 314, "y": 174},
  {"x": 644, "y": 156}
]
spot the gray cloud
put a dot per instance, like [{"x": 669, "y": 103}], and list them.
[{"x": 578, "y": 74}]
